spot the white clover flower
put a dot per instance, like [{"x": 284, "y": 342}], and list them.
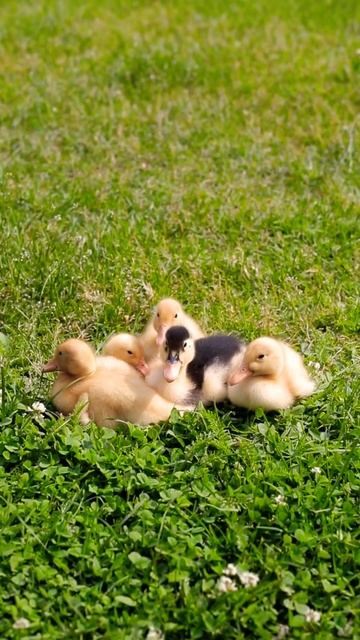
[
  {"x": 226, "y": 584},
  {"x": 346, "y": 631},
  {"x": 154, "y": 634},
  {"x": 312, "y": 616},
  {"x": 21, "y": 623},
  {"x": 231, "y": 570},
  {"x": 316, "y": 470},
  {"x": 282, "y": 632},
  {"x": 280, "y": 499},
  {"x": 248, "y": 579},
  {"x": 38, "y": 407}
]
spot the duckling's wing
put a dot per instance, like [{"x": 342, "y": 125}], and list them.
[
  {"x": 299, "y": 381},
  {"x": 210, "y": 367},
  {"x": 218, "y": 348}
]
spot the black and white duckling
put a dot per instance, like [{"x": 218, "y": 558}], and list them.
[
  {"x": 194, "y": 370},
  {"x": 271, "y": 376}
]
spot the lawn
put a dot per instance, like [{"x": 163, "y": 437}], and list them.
[{"x": 205, "y": 150}]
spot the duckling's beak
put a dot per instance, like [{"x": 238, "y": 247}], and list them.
[
  {"x": 52, "y": 365},
  {"x": 160, "y": 338},
  {"x": 143, "y": 367},
  {"x": 239, "y": 375},
  {"x": 172, "y": 367}
]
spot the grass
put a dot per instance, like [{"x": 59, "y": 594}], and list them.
[{"x": 207, "y": 151}]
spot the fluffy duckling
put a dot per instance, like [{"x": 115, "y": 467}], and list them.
[
  {"x": 271, "y": 375},
  {"x": 167, "y": 313},
  {"x": 128, "y": 348},
  {"x": 194, "y": 370},
  {"x": 106, "y": 390}
]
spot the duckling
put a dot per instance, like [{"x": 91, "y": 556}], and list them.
[
  {"x": 270, "y": 375},
  {"x": 194, "y": 370},
  {"x": 129, "y": 348},
  {"x": 168, "y": 313},
  {"x": 76, "y": 362},
  {"x": 108, "y": 390}
]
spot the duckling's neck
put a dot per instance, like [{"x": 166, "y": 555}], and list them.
[
  {"x": 85, "y": 372},
  {"x": 69, "y": 381},
  {"x": 268, "y": 376},
  {"x": 182, "y": 374}
]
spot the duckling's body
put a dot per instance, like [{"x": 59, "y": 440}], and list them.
[
  {"x": 261, "y": 392},
  {"x": 128, "y": 348},
  {"x": 298, "y": 379},
  {"x": 271, "y": 376},
  {"x": 168, "y": 313},
  {"x": 193, "y": 371},
  {"x": 209, "y": 370},
  {"x": 181, "y": 390},
  {"x": 108, "y": 390}
]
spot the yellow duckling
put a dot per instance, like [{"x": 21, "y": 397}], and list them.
[
  {"x": 128, "y": 348},
  {"x": 167, "y": 313},
  {"x": 107, "y": 390},
  {"x": 271, "y": 376}
]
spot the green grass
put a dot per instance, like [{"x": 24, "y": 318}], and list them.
[{"x": 207, "y": 151}]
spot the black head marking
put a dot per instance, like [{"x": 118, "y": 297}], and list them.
[{"x": 175, "y": 337}]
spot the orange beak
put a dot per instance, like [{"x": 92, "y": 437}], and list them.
[
  {"x": 171, "y": 371},
  {"x": 52, "y": 365},
  {"x": 238, "y": 376},
  {"x": 161, "y": 334},
  {"x": 143, "y": 367}
]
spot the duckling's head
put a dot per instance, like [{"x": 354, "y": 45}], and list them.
[
  {"x": 74, "y": 357},
  {"x": 168, "y": 313},
  {"x": 263, "y": 357},
  {"x": 177, "y": 352},
  {"x": 128, "y": 348}
]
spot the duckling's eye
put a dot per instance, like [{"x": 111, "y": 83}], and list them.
[
  {"x": 60, "y": 353},
  {"x": 185, "y": 345},
  {"x": 158, "y": 315},
  {"x": 176, "y": 315},
  {"x": 166, "y": 348},
  {"x": 130, "y": 353},
  {"x": 261, "y": 356}
]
